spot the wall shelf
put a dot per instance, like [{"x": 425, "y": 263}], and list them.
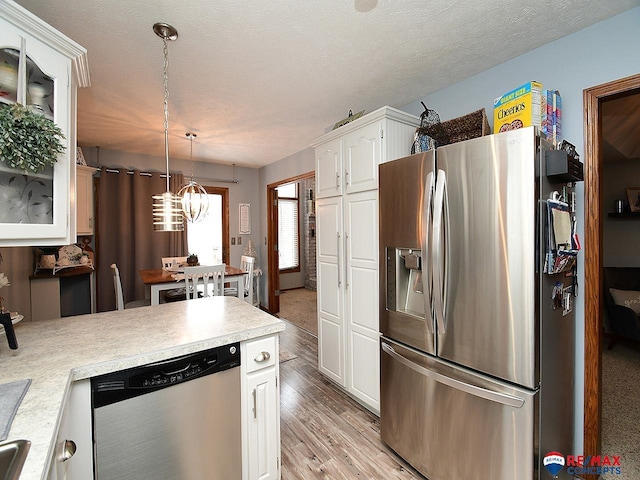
[{"x": 625, "y": 215}]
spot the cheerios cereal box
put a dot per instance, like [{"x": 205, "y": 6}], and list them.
[{"x": 518, "y": 108}]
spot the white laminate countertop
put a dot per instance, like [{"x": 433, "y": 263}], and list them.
[{"x": 54, "y": 353}]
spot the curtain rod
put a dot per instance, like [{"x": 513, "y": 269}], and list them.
[
  {"x": 222, "y": 180},
  {"x": 163, "y": 175},
  {"x": 217, "y": 180},
  {"x": 131, "y": 172}
]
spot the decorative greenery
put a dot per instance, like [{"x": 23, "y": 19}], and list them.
[{"x": 28, "y": 140}]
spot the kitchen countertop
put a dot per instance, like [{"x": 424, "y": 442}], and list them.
[{"x": 54, "y": 353}]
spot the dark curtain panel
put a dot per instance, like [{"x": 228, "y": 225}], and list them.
[{"x": 125, "y": 233}]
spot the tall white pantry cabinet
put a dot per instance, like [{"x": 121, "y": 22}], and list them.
[{"x": 347, "y": 162}]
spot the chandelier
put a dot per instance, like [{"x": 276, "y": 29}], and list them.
[
  {"x": 167, "y": 215},
  {"x": 195, "y": 200}
]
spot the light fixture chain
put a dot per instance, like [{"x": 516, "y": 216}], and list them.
[
  {"x": 167, "y": 207},
  {"x": 166, "y": 105},
  {"x": 191, "y": 155}
]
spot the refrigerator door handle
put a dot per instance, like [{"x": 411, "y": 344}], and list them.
[
  {"x": 427, "y": 262},
  {"x": 439, "y": 267},
  {"x": 490, "y": 395}
]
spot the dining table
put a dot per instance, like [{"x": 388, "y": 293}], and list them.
[{"x": 156, "y": 280}]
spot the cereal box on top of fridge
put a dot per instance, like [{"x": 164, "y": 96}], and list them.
[
  {"x": 518, "y": 108},
  {"x": 552, "y": 116}
]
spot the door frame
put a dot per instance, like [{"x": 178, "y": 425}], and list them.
[
  {"x": 593, "y": 256},
  {"x": 273, "y": 276}
]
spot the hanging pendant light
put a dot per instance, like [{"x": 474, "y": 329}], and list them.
[
  {"x": 195, "y": 200},
  {"x": 167, "y": 215}
]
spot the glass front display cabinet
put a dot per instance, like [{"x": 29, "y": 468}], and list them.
[{"x": 38, "y": 69}]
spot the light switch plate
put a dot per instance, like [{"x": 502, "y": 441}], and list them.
[
  {"x": 239, "y": 240},
  {"x": 233, "y": 240}
]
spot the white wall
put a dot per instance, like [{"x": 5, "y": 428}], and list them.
[
  {"x": 599, "y": 54},
  {"x": 246, "y": 191}
]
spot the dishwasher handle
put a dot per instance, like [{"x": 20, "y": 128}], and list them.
[
  {"x": 117, "y": 386},
  {"x": 180, "y": 370}
]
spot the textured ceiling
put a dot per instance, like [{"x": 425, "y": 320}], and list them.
[{"x": 258, "y": 80}]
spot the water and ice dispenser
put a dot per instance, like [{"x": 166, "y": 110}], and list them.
[{"x": 405, "y": 283}]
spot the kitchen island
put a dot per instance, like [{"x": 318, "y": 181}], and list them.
[{"x": 56, "y": 353}]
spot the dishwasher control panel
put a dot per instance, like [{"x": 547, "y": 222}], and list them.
[{"x": 117, "y": 386}]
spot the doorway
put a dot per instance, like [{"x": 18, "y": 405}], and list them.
[
  {"x": 593, "y": 256},
  {"x": 273, "y": 259}
]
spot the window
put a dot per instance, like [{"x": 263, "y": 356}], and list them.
[
  {"x": 288, "y": 246},
  {"x": 208, "y": 238}
]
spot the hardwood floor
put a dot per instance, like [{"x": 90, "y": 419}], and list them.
[{"x": 325, "y": 434}]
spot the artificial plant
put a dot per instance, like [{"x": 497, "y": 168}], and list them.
[{"x": 28, "y": 140}]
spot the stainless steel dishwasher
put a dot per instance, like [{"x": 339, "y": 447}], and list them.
[{"x": 177, "y": 419}]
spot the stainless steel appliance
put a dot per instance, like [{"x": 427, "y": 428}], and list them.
[
  {"x": 173, "y": 420},
  {"x": 477, "y": 347}
]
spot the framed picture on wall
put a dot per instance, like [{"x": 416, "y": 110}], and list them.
[
  {"x": 633, "y": 194},
  {"x": 245, "y": 219}
]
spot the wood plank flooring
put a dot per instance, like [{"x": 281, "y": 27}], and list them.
[{"x": 325, "y": 434}]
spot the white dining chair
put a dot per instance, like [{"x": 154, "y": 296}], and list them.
[
  {"x": 172, "y": 263},
  {"x": 206, "y": 274},
  {"x": 117, "y": 285},
  {"x": 247, "y": 264}
]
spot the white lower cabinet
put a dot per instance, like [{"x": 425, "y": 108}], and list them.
[
  {"x": 347, "y": 269},
  {"x": 361, "y": 297},
  {"x": 331, "y": 322},
  {"x": 261, "y": 409},
  {"x": 72, "y": 455}
]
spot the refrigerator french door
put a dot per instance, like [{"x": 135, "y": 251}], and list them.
[{"x": 464, "y": 312}]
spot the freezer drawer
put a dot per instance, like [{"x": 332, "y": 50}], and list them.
[{"x": 450, "y": 423}]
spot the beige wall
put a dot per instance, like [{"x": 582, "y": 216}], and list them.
[{"x": 17, "y": 265}]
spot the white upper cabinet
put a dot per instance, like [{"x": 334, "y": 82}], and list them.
[
  {"x": 347, "y": 158},
  {"x": 362, "y": 156},
  {"x": 329, "y": 175},
  {"x": 40, "y": 68}
]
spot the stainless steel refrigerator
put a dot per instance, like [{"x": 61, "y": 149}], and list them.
[{"x": 477, "y": 345}]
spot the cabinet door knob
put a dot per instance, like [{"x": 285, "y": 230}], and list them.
[
  {"x": 68, "y": 450},
  {"x": 262, "y": 357}
]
